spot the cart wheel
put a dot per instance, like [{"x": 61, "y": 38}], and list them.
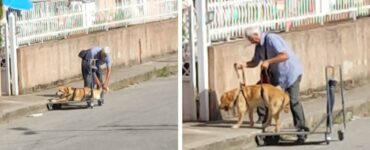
[
  {"x": 100, "y": 102},
  {"x": 272, "y": 140},
  {"x": 259, "y": 140},
  {"x": 340, "y": 135},
  {"x": 49, "y": 106},
  {"x": 327, "y": 140},
  {"x": 306, "y": 129},
  {"x": 57, "y": 106},
  {"x": 90, "y": 104}
]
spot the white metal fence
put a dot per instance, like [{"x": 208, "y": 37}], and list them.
[
  {"x": 231, "y": 17},
  {"x": 2, "y": 34},
  {"x": 58, "y": 19}
]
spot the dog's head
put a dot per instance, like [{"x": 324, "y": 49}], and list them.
[
  {"x": 64, "y": 91},
  {"x": 227, "y": 100}
]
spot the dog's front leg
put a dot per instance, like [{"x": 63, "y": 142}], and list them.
[
  {"x": 251, "y": 121},
  {"x": 60, "y": 100},
  {"x": 242, "y": 109},
  {"x": 240, "y": 121}
]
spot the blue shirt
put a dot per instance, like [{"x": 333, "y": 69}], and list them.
[
  {"x": 94, "y": 53},
  {"x": 284, "y": 73}
]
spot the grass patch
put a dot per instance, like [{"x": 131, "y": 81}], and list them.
[{"x": 163, "y": 72}]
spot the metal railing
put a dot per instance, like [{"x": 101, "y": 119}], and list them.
[
  {"x": 232, "y": 17},
  {"x": 56, "y": 20},
  {"x": 2, "y": 34}
]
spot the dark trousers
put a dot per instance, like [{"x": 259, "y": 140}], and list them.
[
  {"x": 295, "y": 106},
  {"x": 89, "y": 75}
]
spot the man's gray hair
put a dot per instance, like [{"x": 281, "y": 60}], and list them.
[{"x": 252, "y": 30}]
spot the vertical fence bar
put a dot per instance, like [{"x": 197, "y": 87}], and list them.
[
  {"x": 7, "y": 60},
  {"x": 202, "y": 61},
  {"x": 13, "y": 55}
]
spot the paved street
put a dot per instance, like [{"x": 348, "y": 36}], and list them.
[
  {"x": 356, "y": 137},
  {"x": 143, "y": 116}
]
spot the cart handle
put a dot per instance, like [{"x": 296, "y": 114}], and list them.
[
  {"x": 331, "y": 70},
  {"x": 241, "y": 80}
]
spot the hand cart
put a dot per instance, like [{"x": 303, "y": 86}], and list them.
[
  {"x": 89, "y": 100},
  {"x": 272, "y": 138}
]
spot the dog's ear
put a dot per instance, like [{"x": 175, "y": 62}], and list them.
[
  {"x": 64, "y": 89},
  {"x": 69, "y": 90},
  {"x": 231, "y": 97},
  {"x": 224, "y": 101}
]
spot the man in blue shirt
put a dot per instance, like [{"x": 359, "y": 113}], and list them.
[
  {"x": 284, "y": 68},
  {"x": 102, "y": 56}
]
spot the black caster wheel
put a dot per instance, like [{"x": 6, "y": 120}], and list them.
[
  {"x": 100, "y": 102},
  {"x": 90, "y": 105},
  {"x": 327, "y": 139},
  {"x": 260, "y": 141},
  {"x": 49, "y": 106},
  {"x": 340, "y": 135},
  {"x": 57, "y": 106},
  {"x": 306, "y": 129},
  {"x": 272, "y": 140}
]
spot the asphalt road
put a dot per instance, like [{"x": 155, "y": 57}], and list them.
[
  {"x": 140, "y": 117},
  {"x": 356, "y": 137}
]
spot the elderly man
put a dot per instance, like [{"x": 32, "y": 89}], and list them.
[
  {"x": 101, "y": 56},
  {"x": 284, "y": 69}
]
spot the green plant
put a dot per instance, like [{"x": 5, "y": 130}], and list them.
[{"x": 163, "y": 72}]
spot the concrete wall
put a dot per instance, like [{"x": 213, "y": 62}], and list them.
[
  {"x": 44, "y": 63},
  {"x": 346, "y": 43}
]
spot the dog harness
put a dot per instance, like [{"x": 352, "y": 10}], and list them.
[{"x": 241, "y": 84}]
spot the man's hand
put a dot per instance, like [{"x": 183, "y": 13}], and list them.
[
  {"x": 98, "y": 85},
  {"x": 265, "y": 64},
  {"x": 105, "y": 86},
  {"x": 238, "y": 65},
  {"x": 97, "y": 82}
]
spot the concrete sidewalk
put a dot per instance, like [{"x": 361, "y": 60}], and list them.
[
  {"x": 12, "y": 107},
  {"x": 219, "y": 135}
]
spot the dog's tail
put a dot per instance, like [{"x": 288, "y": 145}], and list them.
[{"x": 286, "y": 103}]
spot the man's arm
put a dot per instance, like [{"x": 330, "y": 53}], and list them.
[
  {"x": 252, "y": 64},
  {"x": 282, "y": 56},
  {"x": 108, "y": 73},
  {"x": 97, "y": 81},
  {"x": 278, "y": 45}
]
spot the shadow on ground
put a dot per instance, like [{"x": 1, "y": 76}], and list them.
[{"x": 108, "y": 128}]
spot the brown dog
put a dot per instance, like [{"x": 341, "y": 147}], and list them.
[
  {"x": 67, "y": 93},
  {"x": 273, "y": 97}
]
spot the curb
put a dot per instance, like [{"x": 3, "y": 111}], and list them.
[
  {"x": 247, "y": 141},
  {"x": 41, "y": 107},
  {"x": 156, "y": 73},
  {"x": 8, "y": 116}
]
